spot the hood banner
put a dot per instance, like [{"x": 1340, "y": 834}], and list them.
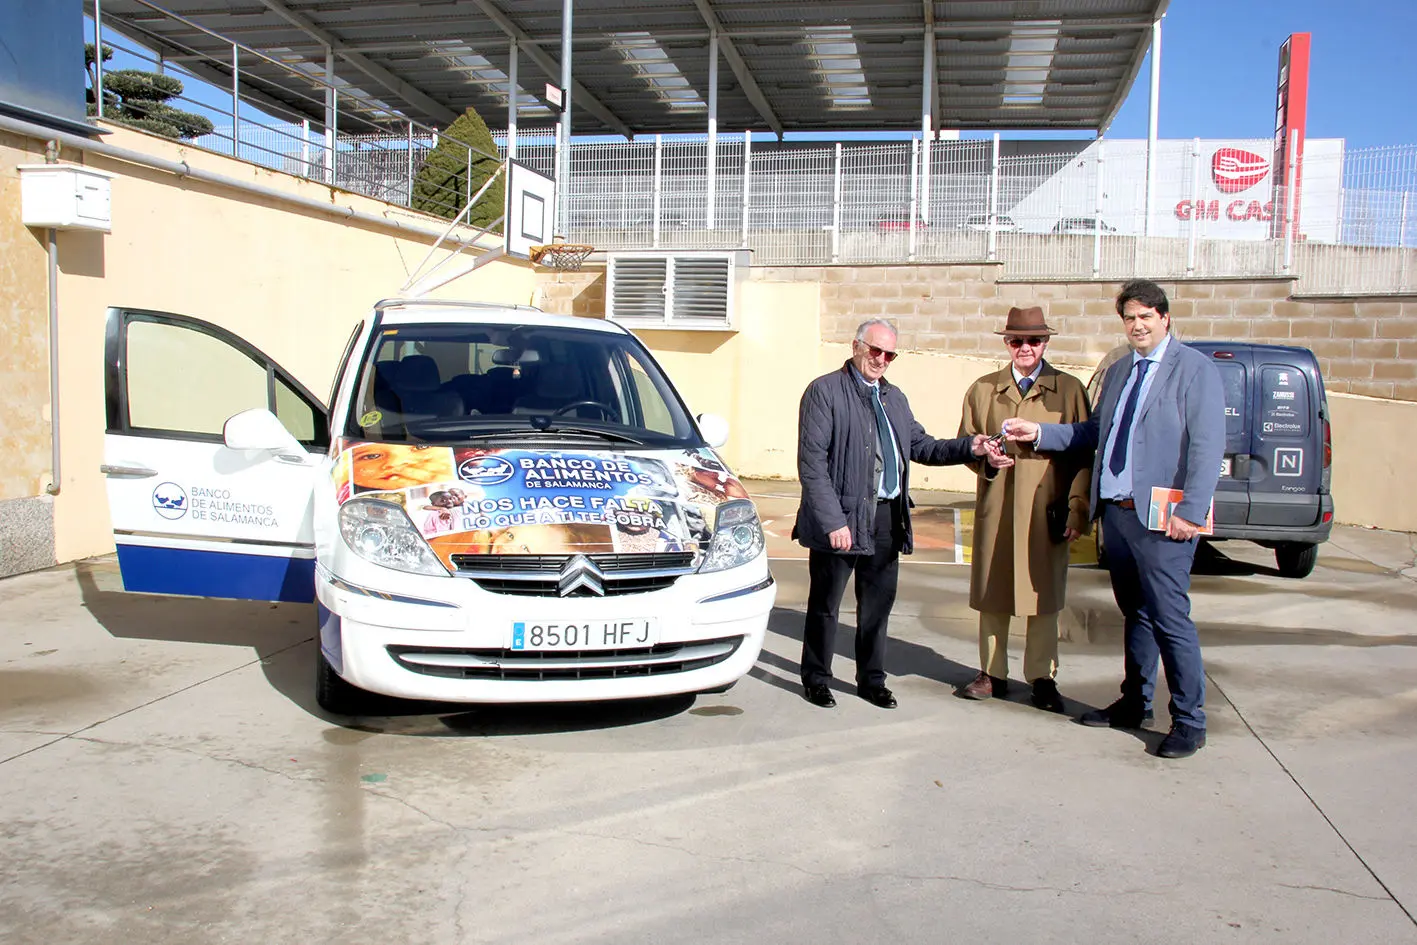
[{"x": 488, "y": 501}]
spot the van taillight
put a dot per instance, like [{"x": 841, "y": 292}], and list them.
[{"x": 1328, "y": 444}]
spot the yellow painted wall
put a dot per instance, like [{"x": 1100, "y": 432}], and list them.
[{"x": 292, "y": 282}]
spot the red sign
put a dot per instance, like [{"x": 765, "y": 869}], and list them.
[
  {"x": 1290, "y": 130},
  {"x": 1234, "y": 170}
]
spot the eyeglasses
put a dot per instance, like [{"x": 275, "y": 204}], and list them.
[
  {"x": 879, "y": 352},
  {"x": 1032, "y": 342}
]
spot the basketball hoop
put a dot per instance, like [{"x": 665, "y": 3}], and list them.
[{"x": 563, "y": 257}]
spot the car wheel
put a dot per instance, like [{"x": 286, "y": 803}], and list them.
[
  {"x": 1295, "y": 559},
  {"x": 332, "y": 693}
]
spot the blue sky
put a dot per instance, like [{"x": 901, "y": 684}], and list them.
[{"x": 1220, "y": 58}]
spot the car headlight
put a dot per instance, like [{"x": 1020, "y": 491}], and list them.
[
  {"x": 380, "y": 532},
  {"x": 737, "y": 537}
]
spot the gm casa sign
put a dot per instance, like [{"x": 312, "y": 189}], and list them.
[{"x": 1232, "y": 171}]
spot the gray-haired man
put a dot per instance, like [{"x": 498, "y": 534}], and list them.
[{"x": 856, "y": 438}]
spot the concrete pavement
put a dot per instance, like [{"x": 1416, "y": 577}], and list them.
[{"x": 166, "y": 778}]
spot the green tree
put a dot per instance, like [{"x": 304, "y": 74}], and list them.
[
  {"x": 138, "y": 99},
  {"x": 443, "y": 183}
]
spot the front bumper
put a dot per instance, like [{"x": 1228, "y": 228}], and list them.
[{"x": 447, "y": 640}]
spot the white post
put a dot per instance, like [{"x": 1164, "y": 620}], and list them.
[
  {"x": 98, "y": 55},
  {"x": 927, "y": 85},
  {"x": 836, "y": 206},
  {"x": 711, "y": 193},
  {"x": 1152, "y": 124},
  {"x": 563, "y": 175},
  {"x": 305, "y": 148},
  {"x": 467, "y": 198},
  {"x": 1401, "y": 240},
  {"x": 1197, "y": 207},
  {"x": 1097, "y": 217},
  {"x": 235, "y": 102},
  {"x": 994, "y": 201},
  {"x": 656, "y": 188},
  {"x": 914, "y": 197},
  {"x": 747, "y": 181},
  {"x": 410, "y": 165},
  {"x": 513, "y": 106},
  {"x": 331, "y": 105},
  {"x": 1292, "y": 217}
]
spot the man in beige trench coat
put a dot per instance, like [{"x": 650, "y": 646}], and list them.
[{"x": 1020, "y": 564}]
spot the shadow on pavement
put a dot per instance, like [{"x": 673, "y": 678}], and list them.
[{"x": 282, "y": 637}]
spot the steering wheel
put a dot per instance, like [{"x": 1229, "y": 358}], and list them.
[{"x": 606, "y": 411}]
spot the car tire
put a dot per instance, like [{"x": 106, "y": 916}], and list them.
[
  {"x": 333, "y": 693},
  {"x": 1296, "y": 559}
]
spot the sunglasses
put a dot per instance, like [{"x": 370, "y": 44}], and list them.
[
  {"x": 879, "y": 352},
  {"x": 1032, "y": 342}
]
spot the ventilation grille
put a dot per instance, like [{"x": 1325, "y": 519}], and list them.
[{"x": 681, "y": 290}]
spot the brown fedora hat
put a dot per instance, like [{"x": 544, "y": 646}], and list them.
[{"x": 1026, "y": 321}]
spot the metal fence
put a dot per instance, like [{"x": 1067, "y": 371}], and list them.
[{"x": 1212, "y": 209}]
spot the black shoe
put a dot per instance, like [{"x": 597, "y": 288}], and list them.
[
  {"x": 1182, "y": 741},
  {"x": 1045, "y": 695},
  {"x": 1124, "y": 713},
  {"x": 820, "y": 694},
  {"x": 878, "y": 696}
]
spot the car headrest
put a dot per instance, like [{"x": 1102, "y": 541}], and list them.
[{"x": 419, "y": 373}]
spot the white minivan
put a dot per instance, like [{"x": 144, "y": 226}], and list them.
[{"x": 499, "y": 505}]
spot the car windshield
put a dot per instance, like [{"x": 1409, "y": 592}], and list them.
[{"x": 473, "y": 382}]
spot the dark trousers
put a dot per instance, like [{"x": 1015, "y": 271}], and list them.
[
  {"x": 1151, "y": 579},
  {"x": 875, "y": 596}
]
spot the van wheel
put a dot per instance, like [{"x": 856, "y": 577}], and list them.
[
  {"x": 332, "y": 693},
  {"x": 1296, "y": 559}
]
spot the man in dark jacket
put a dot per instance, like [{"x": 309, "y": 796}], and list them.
[{"x": 855, "y": 441}]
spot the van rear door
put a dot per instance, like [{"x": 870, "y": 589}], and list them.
[
  {"x": 1286, "y": 438},
  {"x": 1232, "y": 492}
]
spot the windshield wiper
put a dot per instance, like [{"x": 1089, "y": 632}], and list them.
[{"x": 551, "y": 431}]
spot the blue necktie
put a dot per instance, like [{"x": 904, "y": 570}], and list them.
[
  {"x": 890, "y": 471},
  {"x": 1118, "y": 460},
  {"x": 1025, "y": 384}
]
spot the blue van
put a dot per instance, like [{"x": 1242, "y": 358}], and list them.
[{"x": 1275, "y": 478}]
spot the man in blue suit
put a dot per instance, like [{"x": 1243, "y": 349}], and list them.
[{"x": 1159, "y": 422}]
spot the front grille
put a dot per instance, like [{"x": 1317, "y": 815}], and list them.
[
  {"x": 657, "y": 660},
  {"x": 551, "y": 564},
  {"x": 540, "y": 575},
  {"x": 550, "y": 587}
]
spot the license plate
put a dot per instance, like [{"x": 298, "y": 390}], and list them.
[
  {"x": 1226, "y": 465},
  {"x": 584, "y": 635}
]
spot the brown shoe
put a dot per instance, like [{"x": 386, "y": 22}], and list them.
[{"x": 985, "y": 686}]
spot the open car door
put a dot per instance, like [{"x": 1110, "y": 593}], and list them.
[{"x": 192, "y": 515}]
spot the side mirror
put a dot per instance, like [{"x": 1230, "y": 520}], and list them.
[
  {"x": 714, "y": 429},
  {"x": 258, "y": 429}
]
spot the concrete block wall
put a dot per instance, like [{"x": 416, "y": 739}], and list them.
[{"x": 1365, "y": 346}]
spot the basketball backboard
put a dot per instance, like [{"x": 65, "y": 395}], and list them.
[{"x": 531, "y": 210}]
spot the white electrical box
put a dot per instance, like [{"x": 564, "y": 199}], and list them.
[{"x": 66, "y": 197}]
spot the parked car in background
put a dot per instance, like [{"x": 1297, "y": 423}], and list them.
[
  {"x": 1003, "y": 223},
  {"x": 1081, "y": 226},
  {"x": 1275, "y": 485},
  {"x": 898, "y": 220}
]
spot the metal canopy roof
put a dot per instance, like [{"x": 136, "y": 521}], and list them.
[{"x": 643, "y": 65}]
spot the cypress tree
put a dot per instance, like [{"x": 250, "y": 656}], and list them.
[{"x": 443, "y": 186}]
